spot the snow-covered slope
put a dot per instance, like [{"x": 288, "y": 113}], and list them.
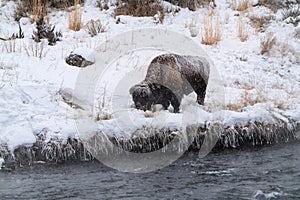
[{"x": 36, "y": 82}]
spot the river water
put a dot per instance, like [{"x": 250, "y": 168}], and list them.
[{"x": 263, "y": 173}]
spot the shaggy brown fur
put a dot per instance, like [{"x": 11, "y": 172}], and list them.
[{"x": 168, "y": 78}]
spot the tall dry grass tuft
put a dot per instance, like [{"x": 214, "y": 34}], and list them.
[
  {"x": 241, "y": 5},
  {"x": 39, "y": 10},
  {"x": 75, "y": 18},
  {"x": 242, "y": 30},
  {"x": 212, "y": 30}
]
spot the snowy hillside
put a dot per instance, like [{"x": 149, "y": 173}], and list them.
[{"x": 256, "y": 54}]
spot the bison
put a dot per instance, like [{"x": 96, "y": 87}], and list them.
[{"x": 169, "y": 77}]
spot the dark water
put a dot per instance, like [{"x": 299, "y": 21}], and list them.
[{"x": 264, "y": 173}]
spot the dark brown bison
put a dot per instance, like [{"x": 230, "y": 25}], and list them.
[{"x": 168, "y": 78}]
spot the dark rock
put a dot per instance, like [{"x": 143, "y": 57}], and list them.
[{"x": 77, "y": 60}]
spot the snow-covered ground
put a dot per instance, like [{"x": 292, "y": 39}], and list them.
[{"x": 33, "y": 90}]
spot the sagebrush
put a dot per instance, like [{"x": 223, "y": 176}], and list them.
[{"x": 140, "y": 8}]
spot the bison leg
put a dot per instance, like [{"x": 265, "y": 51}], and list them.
[
  {"x": 175, "y": 103},
  {"x": 166, "y": 104},
  {"x": 199, "y": 87},
  {"x": 200, "y": 96},
  {"x": 200, "y": 99}
]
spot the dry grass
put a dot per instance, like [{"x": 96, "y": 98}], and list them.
[
  {"x": 103, "y": 116},
  {"x": 291, "y": 91},
  {"x": 33, "y": 8},
  {"x": 102, "y": 113},
  {"x": 75, "y": 18},
  {"x": 267, "y": 43},
  {"x": 241, "y": 5},
  {"x": 193, "y": 27},
  {"x": 248, "y": 98},
  {"x": 38, "y": 10},
  {"x": 280, "y": 104},
  {"x": 258, "y": 93},
  {"x": 285, "y": 48},
  {"x": 10, "y": 46},
  {"x": 246, "y": 85},
  {"x": 35, "y": 49},
  {"x": 212, "y": 31},
  {"x": 288, "y": 51},
  {"x": 95, "y": 27},
  {"x": 234, "y": 107},
  {"x": 242, "y": 31}
]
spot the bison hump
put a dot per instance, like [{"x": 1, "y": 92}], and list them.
[{"x": 193, "y": 67}]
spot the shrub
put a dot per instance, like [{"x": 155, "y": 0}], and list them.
[
  {"x": 260, "y": 22},
  {"x": 63, "y": 3},
  {"x": 39, "y": 8},
  {"x": 140, "y": 8},
  {"x": 274, "y": 5},
  {"x": 45, "y": 31},
  {"x": 291, "y": 12},
  {"x": 192, "y": 4},
  {"x": 103, "y": 4}
]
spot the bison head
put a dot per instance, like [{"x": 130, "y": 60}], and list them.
[{"x": 142, "y": 96}]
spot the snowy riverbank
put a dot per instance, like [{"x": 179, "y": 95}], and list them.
[{"x": 38, "y": 111}]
